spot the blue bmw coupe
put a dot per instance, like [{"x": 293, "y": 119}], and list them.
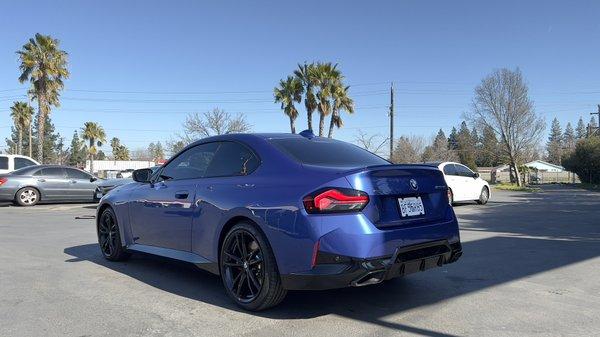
[{"x": 276, "y": 212}]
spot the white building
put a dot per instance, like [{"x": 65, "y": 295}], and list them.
[
  {"x": 543, "y": 166},
  {"x": 118, "y": 165}
]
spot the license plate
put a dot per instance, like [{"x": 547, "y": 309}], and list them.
[{"x": 411, "y": 206}]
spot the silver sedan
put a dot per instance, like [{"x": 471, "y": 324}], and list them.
[{"x": 47, "y": 183}]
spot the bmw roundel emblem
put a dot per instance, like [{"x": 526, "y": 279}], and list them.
[{"x": 414, "y": 185}]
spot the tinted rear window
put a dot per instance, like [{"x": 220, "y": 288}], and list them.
[
  {"x": 330, "y": 153},
  {"x": 3, "y": 163}
]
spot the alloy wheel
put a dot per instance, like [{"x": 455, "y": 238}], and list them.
[
  {"x": 108, "y": 231},
  {"x": 243, "y": 266}
]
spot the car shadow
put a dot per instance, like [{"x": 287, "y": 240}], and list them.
[{"x": 527, "y": 249}]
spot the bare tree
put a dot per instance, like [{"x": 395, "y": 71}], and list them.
[
  {"x": 372, "y": 143},
  {"x": 502, "y": 103},
  {"x": 409, "y": 149},
  {"x": 211, "y": 123}
]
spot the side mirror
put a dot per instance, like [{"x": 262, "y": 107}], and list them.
[
  {"x": 142, "y": 175},
  {"x": 92, "y": 179},
  {"x": 475, "y": 175}
]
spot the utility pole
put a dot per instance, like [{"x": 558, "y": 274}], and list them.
[
  {"x": 593, "y": 130},
  {"x": 391, "y": 120}
]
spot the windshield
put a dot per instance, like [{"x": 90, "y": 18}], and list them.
[{"x": 329, "y": 153}]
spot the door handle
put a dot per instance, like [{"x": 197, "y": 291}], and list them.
[
  {"x": 73, "y": 181},
  {"x": 182, "y": 194},
  {"x": 41, "y": 180}
]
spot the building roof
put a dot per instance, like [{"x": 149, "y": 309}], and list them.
[{"x": 558, "y": 167}]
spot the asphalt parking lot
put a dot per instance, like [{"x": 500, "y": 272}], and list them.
[{"x": 531, "y": 267}]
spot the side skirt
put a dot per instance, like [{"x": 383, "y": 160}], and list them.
[{"x": 175, "y": 254}]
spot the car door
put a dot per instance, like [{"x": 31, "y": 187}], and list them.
[
  {"x": 81, "y": 186},
  {"x": 226, "y": 183},
  {"x": 161, "y": 212},
  {"x": 468, "y": 182},
  {"x": 52, "y": 182},
  {"x": 454, "y": 181}
]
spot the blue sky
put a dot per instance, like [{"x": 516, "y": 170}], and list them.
[{"x": 138, "y": 67}]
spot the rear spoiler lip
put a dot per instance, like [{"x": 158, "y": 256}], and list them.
[{"x": 391, "y": 167}]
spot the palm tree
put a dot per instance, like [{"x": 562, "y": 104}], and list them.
[
  {"x": 306, "y": 74},
  {"x": 341, "y": 101},
  {"x": 94, "y": 134},
  {"x": 45, "y": 66},
  {"x": 326, "y": 75},
  {"x": 289, "y": 91},
  {"x": 22, "y": 114}
]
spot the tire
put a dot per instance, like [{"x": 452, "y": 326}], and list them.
[
  {"x": 450, "y": 196},
  {"x": 27, "y": 196},
  {"x": 248, "y": 269},
  {"x": 109, "y": 237},
  {"x": 484, "y": 196}
]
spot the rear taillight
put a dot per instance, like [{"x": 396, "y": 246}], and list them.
[
  {"x": 2, "y": 181},
  {"x": 335, "y": 200}
]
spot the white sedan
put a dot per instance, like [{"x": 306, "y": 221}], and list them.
[{"x": 464, "y": 184}]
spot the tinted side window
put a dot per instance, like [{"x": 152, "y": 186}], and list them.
[
  {"x": 54, "y": 172},
  {"x": 232, "y": 159},
  {"x": 191, "y": 163},
  {"x": 22, "y": 162},
  {"x": 3, "y": 163},
  {"x": 326, "y": 152},
  {"x": 463, "y": 171},
  {"x": 449, "y": 170},
  {"x": 76, "y": 174}
]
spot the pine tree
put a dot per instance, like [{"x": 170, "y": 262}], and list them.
[
  {"x": 453, "y": 139},
  {"x": 438, "y": 150},
  {"x": 50, "y": 141},
  {"x": 580, "y": 131},
  {"x": 77, "y": 151},
  {"x": 490, "y": 149},
  {"x": 569, "y": 138},
  {"x": 554, "y": 145},
  {"x": 466, "y": 147}
]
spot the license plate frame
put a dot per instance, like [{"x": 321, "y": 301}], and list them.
[{"x": 411, "y": 206}]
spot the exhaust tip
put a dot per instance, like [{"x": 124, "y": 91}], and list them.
[{"x": 369, "y": 278}]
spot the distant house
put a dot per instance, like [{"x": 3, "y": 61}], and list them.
[
  {"x": 543, "y": 166},
  {"x": 109, "y": 168}
]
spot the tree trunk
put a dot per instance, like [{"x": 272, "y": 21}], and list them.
[
  {"x": 292, "y": 125},
  {"x": 41, "y": 126},
  {"x": 331, "y": 123},
  {"x": 91, "y": 163},
  {"x": 517, "y": 173},
  {"x": 30, "y": 141},
  {"x": 321, "y": 124},
  {"x": 20, "y": 140},
  {"x": 309, "y": 116}
]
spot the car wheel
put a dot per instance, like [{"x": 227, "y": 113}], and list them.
[
  {"x": 450, "y": 196},
  {"x": 248, "y": 269},
  {"x": 484, "y": 196},
  {"x": 109, "y": 237},
  {"x": 27, "y": 196}
]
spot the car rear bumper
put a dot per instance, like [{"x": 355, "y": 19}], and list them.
[{"x": 335, "y": 271}]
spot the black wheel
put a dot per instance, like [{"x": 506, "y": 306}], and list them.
[
  {"x": 450, "y": 196},
  {"x": 109, "y": 237},
  {"x": 484, "y": 196},
  {"x": 248, "y": 269},
  {"x": 27, "y": 196}
]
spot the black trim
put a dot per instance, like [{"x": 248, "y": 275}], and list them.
[{"x": 337, "y": 271}]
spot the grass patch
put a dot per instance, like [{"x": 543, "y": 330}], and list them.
[{"x": 514, "y": 187}]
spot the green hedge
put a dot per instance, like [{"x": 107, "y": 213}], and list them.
[{"x": 585, "y": 160}]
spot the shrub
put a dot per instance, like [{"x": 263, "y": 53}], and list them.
[{"x": 585, "y": 160}]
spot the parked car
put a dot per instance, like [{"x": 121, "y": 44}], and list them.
[
  {"x": 275, "y": 212},
  {"x": 108, "y": 185},
  {"x": 464, "y": 184},
  {"x": 11, "y": 162},
  {"x": 47, "y": 183}
]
